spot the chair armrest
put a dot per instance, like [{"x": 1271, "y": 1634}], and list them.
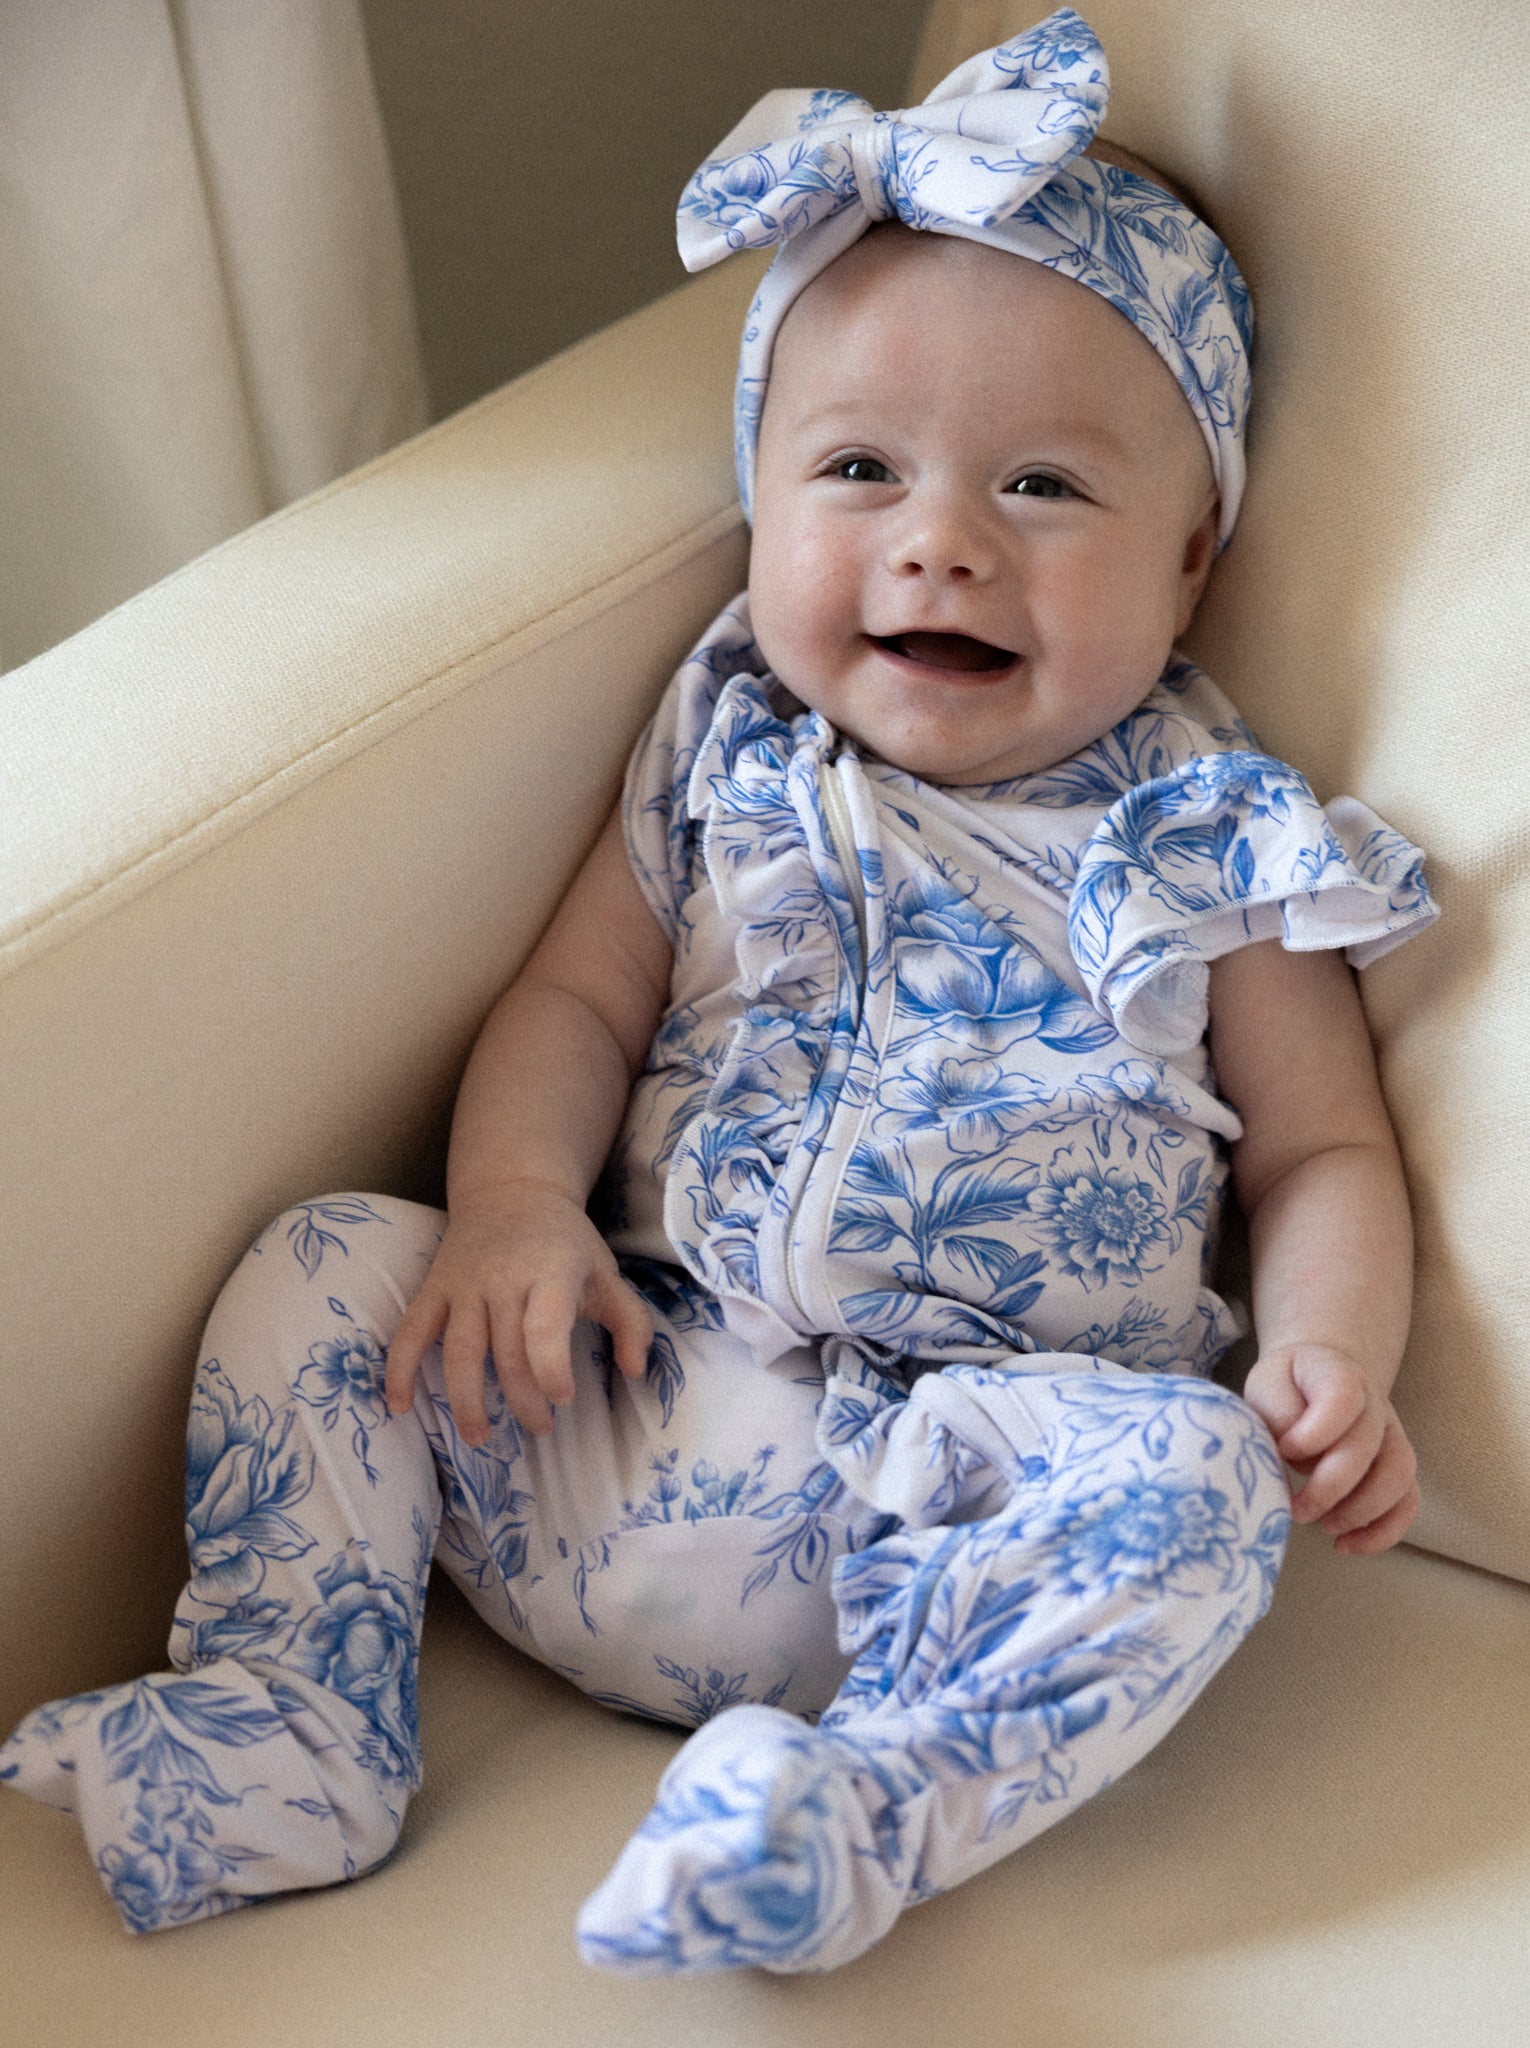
[
  {"x": 273, "y": 836},
  {"x": 191, "y": 710}
]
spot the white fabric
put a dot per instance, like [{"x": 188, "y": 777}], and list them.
[{"x": 206, "y": 309}]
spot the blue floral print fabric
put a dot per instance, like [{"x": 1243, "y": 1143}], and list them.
[
  {"x": 668, "y": 1549},
  {"x": 1077, "y": 1552},
  {"x": 994, "y": 154},
  {"x": 933, "y": 1077}
]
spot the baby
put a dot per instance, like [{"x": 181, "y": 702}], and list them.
[{"x": 950, "y": 930}]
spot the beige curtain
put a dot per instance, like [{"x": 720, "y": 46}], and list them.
[{"x": 204, "y": 304}]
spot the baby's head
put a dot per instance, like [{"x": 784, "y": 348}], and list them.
[
  {"x": 971, "y": 572},
  {"x": 986, "y": 496}
]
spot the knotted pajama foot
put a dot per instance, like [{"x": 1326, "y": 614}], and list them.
[
  {"x": 760, "y": 1849},
  {"x": 1009, "y": 1666},
  {"x": 199, "y": 1791}
]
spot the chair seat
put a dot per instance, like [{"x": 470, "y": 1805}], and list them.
[{"x": 1333, "y": 1845}]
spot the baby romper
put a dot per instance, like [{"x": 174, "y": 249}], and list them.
[{"x": 921, "y": 1182}]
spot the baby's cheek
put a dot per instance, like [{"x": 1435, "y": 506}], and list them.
[{"x": 802, "y": 606}]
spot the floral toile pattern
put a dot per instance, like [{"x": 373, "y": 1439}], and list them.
[
  {"x": 993, "y": 154},
  {"x": 938, "y": 1085}
]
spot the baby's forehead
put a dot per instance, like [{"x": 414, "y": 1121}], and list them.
[
  {"x": 1020, "y": 340},
  {"x": 896, "y": 281},
  {"x": 879, "y": 262}
]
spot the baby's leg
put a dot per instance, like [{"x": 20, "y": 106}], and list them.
[
  {"x": 1013, "y": 1660},
  {"x": 669, "y": 1545},
  {"x": 282, "y": 1748}
]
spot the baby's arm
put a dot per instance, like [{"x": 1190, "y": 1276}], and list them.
[
  {"x": 1318, "y": 1175},
  {"x": 540, "y": 1103}
]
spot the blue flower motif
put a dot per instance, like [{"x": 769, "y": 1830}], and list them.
[
  {"x": 729, "y": 189},
  {"x": 1104, "y": 1222},
  {"x": 153, "y": 1887},
  {"x": 768, "y": 1901},
  {"x": 953, "y": 962},
  {"x": 242, "y": 1473},
  {"x": 826, "y": 104},
  {"x": 361, "y": 1645},
  {"x": 1054, "y": 44},
  {"x": 976, "y": 1103},
  {"x": 346, "y": 1373},
  {"x": 1144, "y": 1535},
  {"x": 1257, "y": 785},
  {"x": 717, "y": 1493}
]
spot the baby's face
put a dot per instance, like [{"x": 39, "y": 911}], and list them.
[{"x": 983, "y": 511}]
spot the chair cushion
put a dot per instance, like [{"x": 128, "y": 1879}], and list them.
[{"x": 1331, "y": 1847}]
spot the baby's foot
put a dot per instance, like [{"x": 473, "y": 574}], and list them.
[
  {"x": 197, "y": 1792},
  {"x": 767, "y": 1845},
  {"x": 39, "y": 1756}
]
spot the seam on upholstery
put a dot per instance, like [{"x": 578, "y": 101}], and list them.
[
  {"x": 67, "y": 913},
  {"x": 1465, "y": 1564}
]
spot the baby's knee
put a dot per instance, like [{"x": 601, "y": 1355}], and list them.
[
  {"x": 330, "y": 1235},
  {"x": 1223, "y": 1452},
  {"x": 338, "y": 1270}
]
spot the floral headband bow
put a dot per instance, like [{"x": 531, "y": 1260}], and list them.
[{"x": 995, "y": 155}]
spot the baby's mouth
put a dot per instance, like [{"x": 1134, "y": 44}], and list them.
[{"x": 958, "y": 651}]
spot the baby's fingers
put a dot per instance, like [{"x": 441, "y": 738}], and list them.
[
  {"x": 418, "y": 1329},
  {"x": 1339, "y": 1471},
  {"x": 523, "y": 1397},
  {"x": 549, "y": 1319},
  {"x": 1385, "y": 1531},
  {"x": 623, "y": 1311},
  {"x": 1390, "y": 1477},
  {"x": 1271, "y": 1391},
  {"x": 1334, "y": 1406},
  {"x": 464, "y": 1352}
]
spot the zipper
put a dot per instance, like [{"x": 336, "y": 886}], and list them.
[{"x": 836, "y": 813}]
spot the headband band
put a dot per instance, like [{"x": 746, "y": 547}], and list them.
[{"x": 993, "y": 155}]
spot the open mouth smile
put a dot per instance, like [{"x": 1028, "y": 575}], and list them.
[{"x": 953, "y": 653}]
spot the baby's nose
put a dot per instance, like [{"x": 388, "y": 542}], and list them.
[{"x": 945, "y": 545}]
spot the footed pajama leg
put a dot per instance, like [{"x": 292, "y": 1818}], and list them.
[
  {"x": 282, "y": 1748},
  {"x": 1080, "y": 1549}
]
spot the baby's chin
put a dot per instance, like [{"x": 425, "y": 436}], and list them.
[
  {"x": 941, "y": 751},
  {"x": 955, "y": 767}
]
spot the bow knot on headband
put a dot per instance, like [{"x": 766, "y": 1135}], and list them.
[{"x": 995, "y": 154}]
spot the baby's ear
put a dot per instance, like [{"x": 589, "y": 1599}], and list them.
[{"x": 1200, "y": 553}]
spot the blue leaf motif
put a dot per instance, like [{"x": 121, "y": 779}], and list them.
[
  {"x": 218, "y": 1714},
  {"x": 665, "y": 1374}
]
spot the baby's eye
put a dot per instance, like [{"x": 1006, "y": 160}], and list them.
[
  {"x": 863, "y": 469},
  {"x": 1038, "y": 486}
]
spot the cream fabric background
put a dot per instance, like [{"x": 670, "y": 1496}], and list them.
[
  {"x": 1370, "y": 616},
  {"x": 205, "y": 310}
]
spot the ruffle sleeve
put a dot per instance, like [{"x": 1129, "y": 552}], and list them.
[
  {"x": 663, "y": 839},
  {"x": 1225, "y": 850}
]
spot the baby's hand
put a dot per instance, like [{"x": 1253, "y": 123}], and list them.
[
  {"x": 518, "y": 1266},
  {"x": 1331, "y": 1425}
]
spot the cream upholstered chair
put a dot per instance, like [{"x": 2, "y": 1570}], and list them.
[{"x": 278, "y": 831}]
